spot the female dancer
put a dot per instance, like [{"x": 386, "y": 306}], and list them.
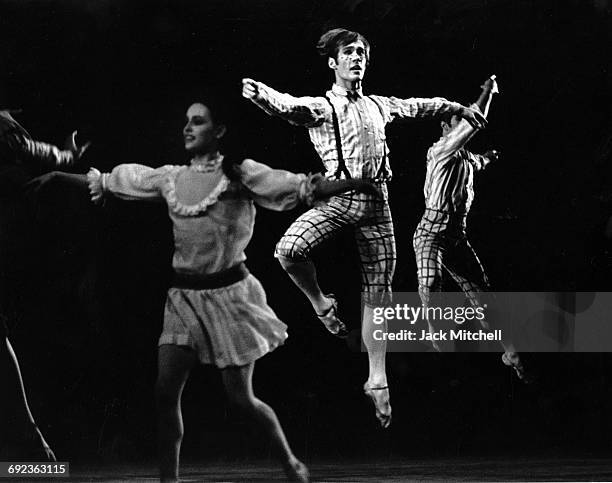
[{"x": 216, "y": 311}]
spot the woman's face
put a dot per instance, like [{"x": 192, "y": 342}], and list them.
[{"x": 200, "y": 133}]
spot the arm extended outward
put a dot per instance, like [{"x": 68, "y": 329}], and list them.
[
  {"x": 278, "y": 190},
  {"x": 128, "y": 182},
  {"x": 300, "y": 111}
]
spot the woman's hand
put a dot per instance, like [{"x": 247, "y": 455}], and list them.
[
  {"x": 367, "y": 188},
  {"x": 94, "y": 180}
]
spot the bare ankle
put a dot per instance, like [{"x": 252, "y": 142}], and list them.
[
  {"x": 321, "y": 304},
  {"x": 377, "y": 381}
]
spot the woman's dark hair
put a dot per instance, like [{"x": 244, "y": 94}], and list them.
[
  {"x": 219, "y": 112},
  {"x": 330, "y": 42}
]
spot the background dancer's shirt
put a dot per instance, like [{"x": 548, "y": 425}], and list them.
[
  {"x": 362, "y": 120},
  {"x": 211, "y": 231},
  {"x": 18, "y": 147},
  {"x": 449, "y": 183}
]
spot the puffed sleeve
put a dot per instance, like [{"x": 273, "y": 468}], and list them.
[
  {"x": 277, "y": 189},
  {"x": 129, "y": 182}
]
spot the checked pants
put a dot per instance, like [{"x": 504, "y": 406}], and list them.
[
  {"x": 440, "y": 243},
  {"x": 371, "y": 219}
]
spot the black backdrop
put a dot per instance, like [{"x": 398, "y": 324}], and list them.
[{"x": 88, "y": 284}]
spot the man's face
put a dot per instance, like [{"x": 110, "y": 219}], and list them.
[
  {"x": 351, "y": 63},
  {"x": 199, "y": 133}
]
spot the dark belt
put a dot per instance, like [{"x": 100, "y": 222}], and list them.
[{"x": 213, "y": 280}]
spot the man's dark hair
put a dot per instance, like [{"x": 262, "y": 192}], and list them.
[{"x": 330, "y": 42}]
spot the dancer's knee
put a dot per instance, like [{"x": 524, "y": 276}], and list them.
[
  {"x": 291, "y": 252},
  {"x": 243, "y": 402}
]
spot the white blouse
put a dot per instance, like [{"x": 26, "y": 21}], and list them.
[{"x": 212, "y": 216}]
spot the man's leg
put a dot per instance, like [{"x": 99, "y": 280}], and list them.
[
  {"x": 294, "y": 248},
  {"x": 465, "y": 268},
  {"x": 304, "y": 276},
  {"x": 429, "y": 249},
  {"x": 467, "y": 271},
  {"x": 376, "y": 244}
]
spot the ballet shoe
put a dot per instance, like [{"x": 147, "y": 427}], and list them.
[
  {"x": 331, "y": 321},
  {"x": 380, "y": 398},
  {"x": 297, "y": 471}
]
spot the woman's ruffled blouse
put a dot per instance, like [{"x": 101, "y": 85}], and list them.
[{"x": 212, "y": 216}]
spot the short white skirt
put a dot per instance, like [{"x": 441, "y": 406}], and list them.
[{"x": 228, "y": 326}]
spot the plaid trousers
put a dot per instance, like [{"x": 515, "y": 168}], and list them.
[
  {"x": 440, "y": 243},
  {"x": 373, "y": 228}
]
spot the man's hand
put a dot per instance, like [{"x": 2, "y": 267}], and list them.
[
  {"x": 490, "y": 85},
  {"x": 77, "y": 151},
  {"x": 490, "y": 155},
  {"x": 250, "y": 89},
  {"x": 475, "y": 118}
]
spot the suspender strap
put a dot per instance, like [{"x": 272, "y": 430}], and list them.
[
  {"x": 382, "y": 170},
  {"x": 342, "y": 169}
]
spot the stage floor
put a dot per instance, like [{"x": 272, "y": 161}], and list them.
[{"x": 465, "y": 469}]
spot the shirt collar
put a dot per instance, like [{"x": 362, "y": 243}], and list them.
[{"x": 341, "y": 91}]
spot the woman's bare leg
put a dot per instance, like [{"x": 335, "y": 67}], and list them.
[
  {"x": 239, "y": 387},
  {"x": 174, "y": 365}
]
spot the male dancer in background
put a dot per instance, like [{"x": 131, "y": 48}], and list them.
[
  {"x": 348, "y": 132},
  {"x": 440, "y": 240},
  {"x": 24, "y": 163}
]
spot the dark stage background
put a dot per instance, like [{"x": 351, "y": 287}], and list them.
[{"x": 87, "y": 285}]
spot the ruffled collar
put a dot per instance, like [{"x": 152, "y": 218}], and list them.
[
  {"x": 198, "y": 208},
  {"x": 207, "y": 165}
]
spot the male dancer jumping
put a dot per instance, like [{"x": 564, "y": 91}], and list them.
[
  {"x": 440, "y": 239},
  {"x": 348, "y": 132},
  {"x": 22, "y": 160}
]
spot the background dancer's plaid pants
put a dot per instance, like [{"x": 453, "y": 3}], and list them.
[
  {"x": 440, "y": 243},
  {"x": 373, "y": 227}
]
